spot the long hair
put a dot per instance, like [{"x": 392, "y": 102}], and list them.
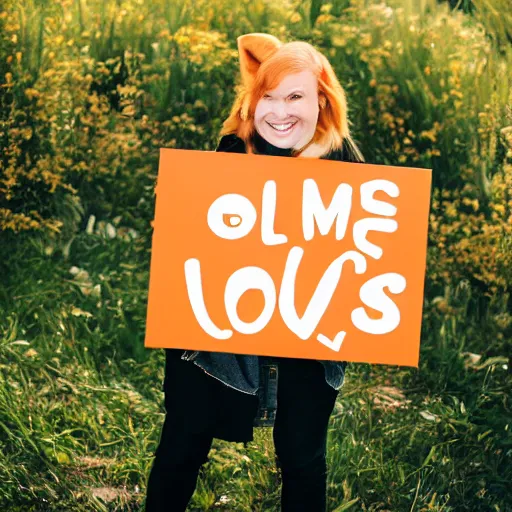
[{"x": 265, "y": 71}]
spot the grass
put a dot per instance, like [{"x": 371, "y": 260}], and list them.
[{"x": 81, "y": 405}]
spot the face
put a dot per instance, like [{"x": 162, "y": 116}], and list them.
[{"x": 287, "y": 115}]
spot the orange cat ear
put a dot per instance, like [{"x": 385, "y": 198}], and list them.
[{"x": 253, "y": 49}]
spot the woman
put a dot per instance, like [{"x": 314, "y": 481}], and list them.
[{"x": 292, "y": 105}]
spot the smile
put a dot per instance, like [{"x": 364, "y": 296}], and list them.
[{"x": 282, "y": 128}]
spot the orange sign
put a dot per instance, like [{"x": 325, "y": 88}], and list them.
[{"x": 291, "y": 257}]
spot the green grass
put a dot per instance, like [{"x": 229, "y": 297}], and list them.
[{"x": 81, "y": 405}]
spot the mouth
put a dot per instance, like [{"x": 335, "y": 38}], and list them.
[{"x": 282, "y": 129}]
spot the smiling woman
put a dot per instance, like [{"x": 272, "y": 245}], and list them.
[
  {"x": 290, "y": 105},
  {"x": 294, "y": 85}
]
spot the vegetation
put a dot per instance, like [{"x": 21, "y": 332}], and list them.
[{"x": 89, "y": 92}]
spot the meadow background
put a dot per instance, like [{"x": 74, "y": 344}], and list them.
[{"x": 89, "y": 92}]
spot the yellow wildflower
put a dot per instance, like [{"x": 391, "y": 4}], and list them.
[
  {"x": 429, "y": 134},
  {"x": 295, "y": 18},
  {"x": 338, "y": 41},
  {"x": 366, "y": 40},
  {"x": 499, "y": 208},
  {"x": 454, "y": 92}
]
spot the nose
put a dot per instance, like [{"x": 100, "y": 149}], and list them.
[{"x": 280, "y": 111}]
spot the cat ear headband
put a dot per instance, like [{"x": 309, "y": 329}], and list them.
[{"x": 253, "y": 49}]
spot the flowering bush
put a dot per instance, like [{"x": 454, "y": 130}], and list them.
[
  {"x": 90, "y": 94},
  {"x": 473, "y": 241}
]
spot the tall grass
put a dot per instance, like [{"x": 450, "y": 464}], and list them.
[{"x": 80, "y": 415}]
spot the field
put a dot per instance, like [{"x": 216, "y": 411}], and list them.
[{"x": 89, "y": 92}]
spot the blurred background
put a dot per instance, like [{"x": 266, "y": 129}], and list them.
[{"x": 89, "y": 92}]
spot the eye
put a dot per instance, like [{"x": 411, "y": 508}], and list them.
[{"x": 298, "y": 96}]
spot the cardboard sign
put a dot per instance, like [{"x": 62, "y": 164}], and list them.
[{"x": 291, "y": 257}]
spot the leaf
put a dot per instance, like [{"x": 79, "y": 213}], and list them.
[
  {"x": 79, "y": 312},
  {"x": 346, "y": 506},
  {"x": 63, "y": 458},
  {"x": 429, "y": 416},
  {"x": 471, "y": 360},
  {"x": 108, "y": 494},
  {"x": 429, "y": 456},
  {"x": 491, "y": 361}
]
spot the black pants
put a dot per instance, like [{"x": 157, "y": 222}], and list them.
[{"x": 304, "y": 404}]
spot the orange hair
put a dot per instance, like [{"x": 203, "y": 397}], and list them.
[{"x": 264, "y": 62}]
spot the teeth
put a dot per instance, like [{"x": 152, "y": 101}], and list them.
[{"x": 281, "y": 127}]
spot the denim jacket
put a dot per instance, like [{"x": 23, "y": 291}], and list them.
[{"x": 243, "y": 372}]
